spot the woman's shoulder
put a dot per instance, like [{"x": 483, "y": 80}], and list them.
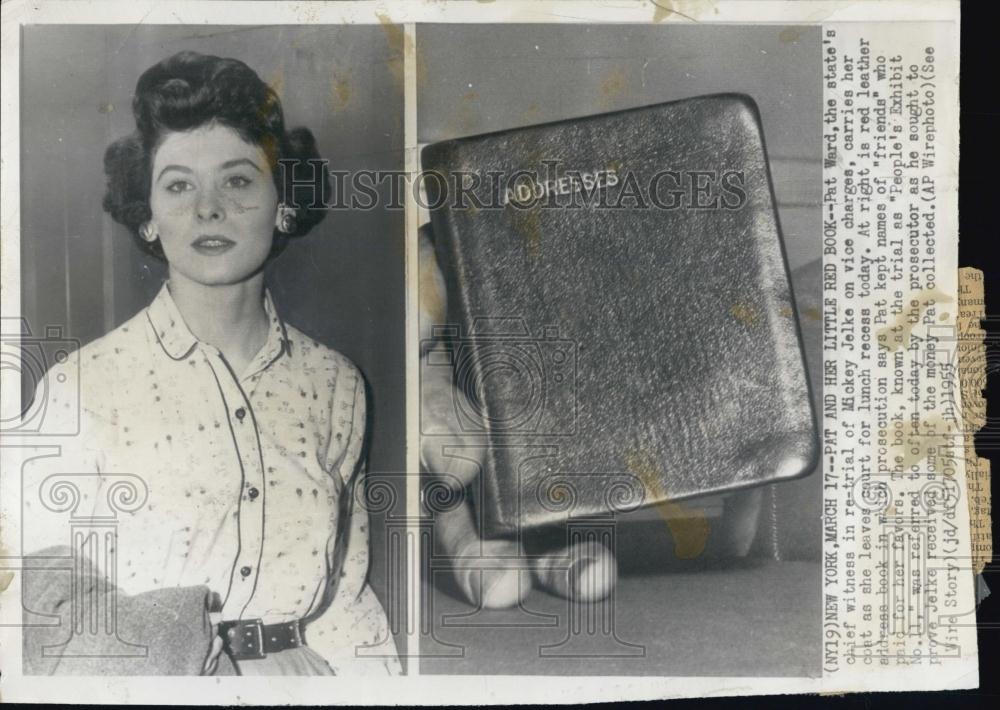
[
  {"x": 89, "y": 376},
  {"x": 317, "y": 356},
  {"x": 110, "y": 349}
]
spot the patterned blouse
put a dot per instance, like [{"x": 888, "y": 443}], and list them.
[{"x": 250, "y": 484}]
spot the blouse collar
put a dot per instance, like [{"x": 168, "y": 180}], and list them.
[{"x": 178, "y": 341}]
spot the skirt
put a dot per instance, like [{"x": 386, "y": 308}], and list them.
[{"x": 292, "y": 661}]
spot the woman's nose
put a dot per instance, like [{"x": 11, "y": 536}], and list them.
[{"x": 209, "y": 207}]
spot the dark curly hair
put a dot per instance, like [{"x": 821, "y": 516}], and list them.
[{"x": 189, "y": 90}]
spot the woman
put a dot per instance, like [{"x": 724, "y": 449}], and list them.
[{"x": 246, "y": 433}]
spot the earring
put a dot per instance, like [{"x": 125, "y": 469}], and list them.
[
  {"x": 286, "y": 220},
  {"x": 147, "y": 233}
]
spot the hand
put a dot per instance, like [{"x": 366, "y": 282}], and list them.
[
  {"x": 586, "y": 571},
  {"x": 215, "y": 648}
]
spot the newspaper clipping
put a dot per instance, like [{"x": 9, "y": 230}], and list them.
[{"x": 507, "y": 352}]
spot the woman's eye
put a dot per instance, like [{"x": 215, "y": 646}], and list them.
[
  {"x": 179, "y": 186},
  {"x": 237, "y": 181}
]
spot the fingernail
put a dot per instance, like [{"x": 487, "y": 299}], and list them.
[
  {"x": 493, "y": 588},
  {"x": 468, "y": 580},
  {"x": 461, "y": 472},
  {"x": 497, "y": 587},
  {"x": 593, "y": 573}
]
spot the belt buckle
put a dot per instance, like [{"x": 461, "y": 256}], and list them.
[
  {"x": 244, "y": 639},
  {"x": 297, "y": 626}
]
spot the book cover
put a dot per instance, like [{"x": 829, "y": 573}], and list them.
[{"x": 623, "y": 324}]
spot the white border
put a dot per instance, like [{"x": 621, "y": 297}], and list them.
[
  {"x": 412, "y": 353},
  {"x": 782, "y": 12}
]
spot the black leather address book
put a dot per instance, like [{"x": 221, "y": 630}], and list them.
[{"x": 624, "y": 328}]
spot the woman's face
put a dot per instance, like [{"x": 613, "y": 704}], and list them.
[{"x": 214, "y": 205}]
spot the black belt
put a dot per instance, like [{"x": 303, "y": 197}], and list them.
[{"x": 252, "y": 638}]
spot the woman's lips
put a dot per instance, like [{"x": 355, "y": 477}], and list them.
[{"x": 212, "y": 244}]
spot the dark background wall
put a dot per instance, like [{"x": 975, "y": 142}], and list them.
[
  {"x": 476, "y": 79},
  {"x": 342, "y": 284}
]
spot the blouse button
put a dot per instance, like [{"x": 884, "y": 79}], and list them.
[
  {"x": 240, "y": 413},
  {"x": 253, "y": 493},
  {"x": 245, "y": 571}
]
